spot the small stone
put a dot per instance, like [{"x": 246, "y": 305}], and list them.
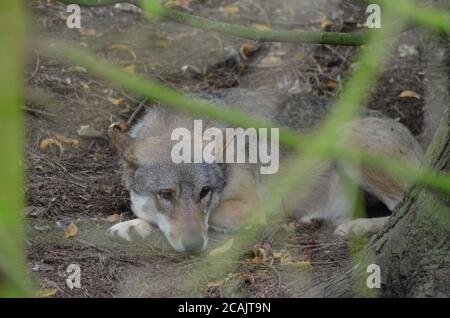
[
  {"x": 87, "y": 131},
  {"x": 34, "y": 211}
]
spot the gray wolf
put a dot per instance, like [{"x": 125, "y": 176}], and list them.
[{"x": 184, "y": 201}]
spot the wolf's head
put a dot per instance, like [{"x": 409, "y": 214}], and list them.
[{"x": 178, "y": 198}]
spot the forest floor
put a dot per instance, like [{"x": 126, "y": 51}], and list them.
[{"x": 78, "y": 181}]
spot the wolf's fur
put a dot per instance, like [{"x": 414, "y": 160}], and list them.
[{"x": 226, "y": 196}]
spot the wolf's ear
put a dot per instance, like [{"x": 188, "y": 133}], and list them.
[{"x": 123, "y": 142}]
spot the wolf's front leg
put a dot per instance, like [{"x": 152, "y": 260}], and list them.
[
  {"x": 130, "y": 229},
  {"x": 362, "y": 226},
  {"x": 230, "y": 215}
]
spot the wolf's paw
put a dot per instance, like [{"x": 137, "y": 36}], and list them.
[
  {"x": 118, "y": 126},
  {"x": 128, "y": 230},
  {"x": 361, "y": 226}
]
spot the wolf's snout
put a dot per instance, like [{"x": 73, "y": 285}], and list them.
[{"x": 193, "y": 243}]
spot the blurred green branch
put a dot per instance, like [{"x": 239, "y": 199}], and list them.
[
  {"x": 434, "y": 19},
  {"x": 13, "y": 280},
  {"x": 296, "y": 36},
  {"x": 97, "y": 3},
  {"x": 153, "y": 8}
]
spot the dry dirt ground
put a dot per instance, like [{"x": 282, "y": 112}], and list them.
[{"x": 80, "y": 183}]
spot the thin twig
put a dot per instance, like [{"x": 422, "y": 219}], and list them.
[
  {"x": 137, "y": 111},
  {"x": 39, "y": 112},
  {"x": 36, "y": 69},
  {"x": 278, "y": 277}
]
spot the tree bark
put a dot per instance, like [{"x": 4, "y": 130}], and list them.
[{"x": 413, "y": 251}]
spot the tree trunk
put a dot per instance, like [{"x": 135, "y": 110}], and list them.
[{"x": 413, "y": 251}]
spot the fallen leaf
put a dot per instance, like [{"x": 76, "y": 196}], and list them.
[
  {"x": 128, "y": 7},
  {"x": 224, "y": 248},
  {"x": 191, "y": 70},
  {"x": 84, "y": 85},
  {"x": 113, "y": 218},
  {"x": 78, "y": 69},
  {"x": 330, "y": 84},
  {"x": 361, "y": 25},
  {"x": 230, "y": 9},
  {"x": 298, "y": 56},
  {"x": 39, "y": 168},
  {"x": 259, "y": 256},
  {"x": 164, "y": 43},
  {"x": 51, "y": 141},
  {"x": 43, "y": 293},
  {"x": 283, "y": 257},
  {"x": 303, "y": 265},
  {"x": 216, "y": 283},
  {"x": 185, "y": 3},
  {"x": 262, "y": 27},
  {"x": 409, "y": 94},
  {"x": 177, "y": 3},
  {"x": 248, "y": 278},
  {"x": 270, "y": 61},
  {"x": 325, "y": 23},
  {"x": 87, "y": 32},
  {"x": 183, "y": 35},
  {"x": 154, "y": 66},
  {"x": 247, "y": 49},
  {"x": 126, "y": 110},
  {"x": 43, "y": 228},
  {"x": 125, "y": 48},
  {"x": 172, "y": 4},
  {"x": 62, "y": 16},
  {"x": 290, "y": 229},
  {"x": 71, "y": 230},
  {"x": 312, "y": 242},
  {"x": 67, "y": 140},
  {"x": 114, "y": 101},
  {"x": 130, "y": 68}
]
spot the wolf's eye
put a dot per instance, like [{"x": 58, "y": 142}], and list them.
[
  {"x": 204, "y": 192},
  {"x": 166, "y": 194}
]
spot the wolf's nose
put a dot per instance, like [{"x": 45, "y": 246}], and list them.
[{"x": 193, "y": 243}]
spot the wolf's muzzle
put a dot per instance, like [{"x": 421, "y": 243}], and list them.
[{"x": 193, "y": 243}]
